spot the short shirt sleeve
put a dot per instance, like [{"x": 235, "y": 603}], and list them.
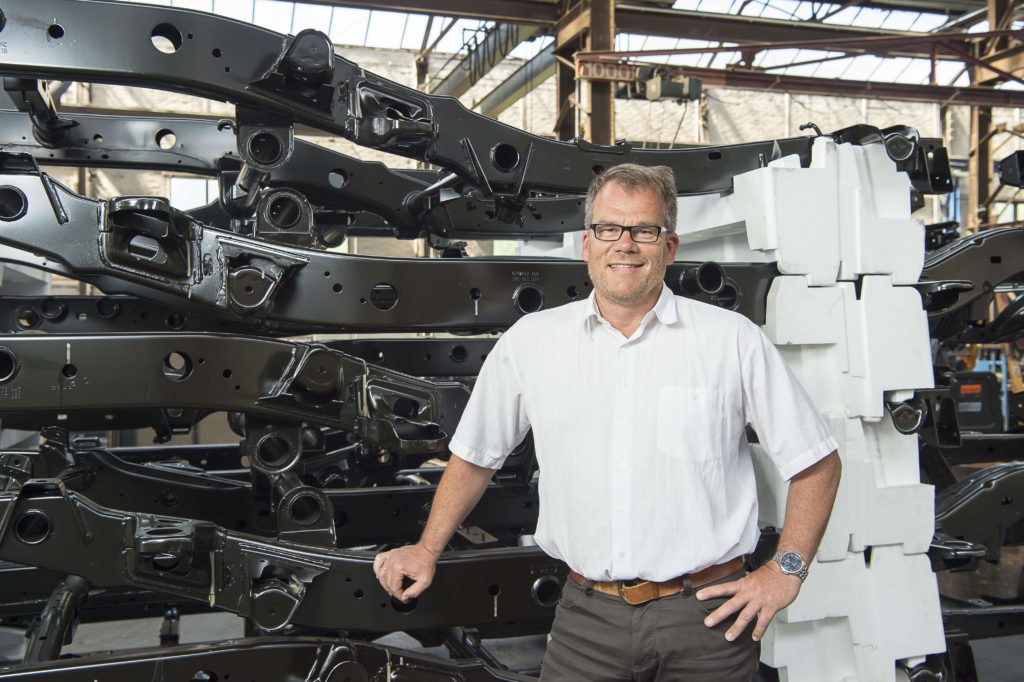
[
  {"x": 495, "y": 419},
  {"x": 789, "y": 427}
]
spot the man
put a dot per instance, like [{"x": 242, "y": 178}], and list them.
[{"x": 638, "y": 401}]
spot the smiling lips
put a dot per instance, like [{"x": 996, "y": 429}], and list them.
[{"x": 625, "y": 266}]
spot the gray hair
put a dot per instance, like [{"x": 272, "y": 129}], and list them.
[{"x": 632, "y": 177}]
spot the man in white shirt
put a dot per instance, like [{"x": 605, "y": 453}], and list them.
[{"x": 639, "y": 401}]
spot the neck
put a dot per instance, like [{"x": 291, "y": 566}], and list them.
[{"x": 626, "y": 317}]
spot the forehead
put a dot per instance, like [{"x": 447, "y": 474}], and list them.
[{"x": 627, "y": 206}]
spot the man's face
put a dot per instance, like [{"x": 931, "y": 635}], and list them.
[{"x": 624, "y": 272}]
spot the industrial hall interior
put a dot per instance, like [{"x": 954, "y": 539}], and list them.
[{"x": 512, "y": 340}]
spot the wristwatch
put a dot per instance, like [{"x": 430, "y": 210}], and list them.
[{"x": 791, "y": 563}]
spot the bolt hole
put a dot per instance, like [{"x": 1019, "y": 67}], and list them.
[
  {"x": 13, "y": 203},
  {"x": 458, "y": 354},
  {"x": 165, "y": 139},
  {"x": 216, "y": 53},
  {"x": 505, "y": 157},
  {"x": 265, "y": 148},
  {"x": 226, "y": 374},
  {"x": 165, "y": 38},
  {"x": 337, "y": 178},
  {"x": 69, "y": 371},
  {"x": 55, "y": 31},
  {"x": 33, "y": 527},
  {"x": 337, "y": 288},
  {"x": 475, "y": 294},
  {"x": 177, "y": 366},
  {"x": 8, "y": 365}
]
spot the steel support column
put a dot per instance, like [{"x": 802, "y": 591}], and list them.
[
  {"x": 981, "y": 127},
  {"x": 600, "y": 127}
]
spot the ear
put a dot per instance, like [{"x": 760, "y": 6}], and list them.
[
  {"x": 586, "y": 245},
  {"x": 671, "y": 245}
]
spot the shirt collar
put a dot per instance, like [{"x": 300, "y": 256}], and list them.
[{"x": 664, "y": 309}]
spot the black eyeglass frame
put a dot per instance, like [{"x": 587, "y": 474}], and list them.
[{"x": 623, "y": 228}]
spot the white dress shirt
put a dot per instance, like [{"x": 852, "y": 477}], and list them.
[{"x": 645, "y": 469}]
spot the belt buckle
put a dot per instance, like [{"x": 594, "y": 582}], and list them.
[{"x": 627, "y": 598}]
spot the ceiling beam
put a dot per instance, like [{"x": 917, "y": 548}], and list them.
[
  {"x": 637, "y": 18},
  {"x": 837, "y": 87}
]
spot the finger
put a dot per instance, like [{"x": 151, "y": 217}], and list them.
[
  {"x": 724, "y": 611},
  {"x": 764, "y": 619},
  {"x": 414, "y": 590},
  {"x": 742, "y": 621},
  {"x": 378, "y": 563},
  {"x": 721, "y": 590}
]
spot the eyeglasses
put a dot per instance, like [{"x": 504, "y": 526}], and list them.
[{"x": 641, "y": 234}]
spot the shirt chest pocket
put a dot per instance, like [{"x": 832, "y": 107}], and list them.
[{"x": 689, "y": 423}]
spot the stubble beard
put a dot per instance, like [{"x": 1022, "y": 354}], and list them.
[{"x": 626, "y": 296}]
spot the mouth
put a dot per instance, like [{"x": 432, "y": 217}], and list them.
[{"x": 625, "y": 267}]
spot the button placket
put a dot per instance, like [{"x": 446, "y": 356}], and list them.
[{"x": 620, "y": 456}]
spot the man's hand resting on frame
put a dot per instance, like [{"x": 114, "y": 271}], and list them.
[
  {"x": 415, "y": 562},
  {"x": 759, "y": 595}
]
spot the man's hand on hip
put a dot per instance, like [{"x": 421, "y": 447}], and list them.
[
  {"x": 415, "y": 562},
  {"x": 758, "y": 595}
]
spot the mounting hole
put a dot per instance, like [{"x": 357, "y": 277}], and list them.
[
  {"x": 107, "y": 308},
  {"x": 337, "y": 178},
  {"x": 166, "y": 38},
  {"x": 458, "y": 353},
  {"x": 55, "y": 31},
  {"x": 273, "y": 451},
  {"x": 546, "y": 590},
  {"x": 494, "y": 590},
  {"x": 13, "y": 203},
  {"x": 26, "y": 318},
  {"x": 337, "y": 288},
  {"x": 528, "y": 298},
  {"x": 475, "y": 294},
  {"x": 97, "y": 138},
  {"x": 8, "y": 365},
  {"x": 504, "y": 157},
  {"x": 265, "y": 148},
  {"x": 53, "y": 309},
  {"x": 177, "y": 366},
  {"x": 226, "y": 374},
  {"x": 69, "y": 371},
  {"x": 306, "y": 510},
  {"x": 358, "y": 594},
  {"x": 216, "y": 53},
  {"x": 572, "y": 292},
  {"x": 407, "y": 607},
  {"x": 175, "y": 321},
  {"x": 33, "y": 527},
  {"x": 714, "y": 156},
  {"x": 383, "y": 296},
  {"x": 284, "y": 212},
  {"x": 165, "y": 139}
]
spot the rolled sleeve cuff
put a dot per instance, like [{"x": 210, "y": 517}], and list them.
[
  {"x": 489, "y": 459},
  {"x": 808, "y": 457}
]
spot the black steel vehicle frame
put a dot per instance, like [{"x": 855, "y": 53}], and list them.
[
  {"x": 44, "y": 377},
  {"x": 124, "y": 242},
  {"x": 351, "y": 197},
  {"x": 300, "y": 79},
  {"x": 271, "y": 582}
]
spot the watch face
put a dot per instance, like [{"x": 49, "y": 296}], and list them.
[{"x": 791, "y": 562}]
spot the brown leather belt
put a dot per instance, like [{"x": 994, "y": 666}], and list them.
[{"x": 643, "y": 591}]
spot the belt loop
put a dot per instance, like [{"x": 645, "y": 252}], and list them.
[
  {"x": 687, "y": 586},
  {"x": 588, "y": 587}
]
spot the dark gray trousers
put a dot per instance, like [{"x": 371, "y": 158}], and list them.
[{"x": 599, "y": 638}]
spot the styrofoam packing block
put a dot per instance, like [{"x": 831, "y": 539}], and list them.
[
  {"x": 793, "y": 215},
  {"x": 891, "y": 612},
  {"x": 877, "y": 235},
  {"x": 868, "y": 364}
]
